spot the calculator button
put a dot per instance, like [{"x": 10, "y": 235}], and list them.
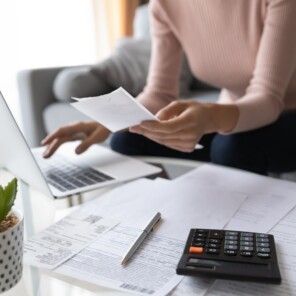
[
  {"x": 230, "y": 252},
  {"x": 214, "y": 240},
  {"x": 249, "y": 234},
  {"x": 199, "y": 240},
  {"x": 263, "y": 250},
  {"x": 199, "y": 235},
  {"x": 247, "y": 238},
  {"x": 231, "y": 237},
  {"x": 230, "y": 247},
  {"x": 230, "y": 242},
  {"x": 197, "y": 244},
  {"x": 262, "y": 240},
  {"x": 244, "y": 243},
  {"x": 263, "y": 255},
  {"x": 262, "y": 235},
  {"x": 201, "y": 231},
  {"x": 262, "y": 245},
  {"x": 246, "y": 248},
  {"x": 212, "y": 251},
  {"x": 196, "y": 250},
  {"x": 231, "y": 233},
  {"x": 217, "y": 246},
  {"x": 246, "y": 254},
  {"x": 216, "y": 234}
]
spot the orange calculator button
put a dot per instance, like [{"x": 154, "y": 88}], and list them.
[{"x": 196, "y": 250}]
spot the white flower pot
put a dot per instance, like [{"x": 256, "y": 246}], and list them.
[{"x": 11, "y": 254}]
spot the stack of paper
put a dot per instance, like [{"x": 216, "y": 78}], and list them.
[{"x": 208, "y": 197}]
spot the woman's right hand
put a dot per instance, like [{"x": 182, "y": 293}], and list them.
[{"x": 88, "y": 132}]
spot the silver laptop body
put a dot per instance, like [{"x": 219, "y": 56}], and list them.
[{"x": 65, "y": 173}]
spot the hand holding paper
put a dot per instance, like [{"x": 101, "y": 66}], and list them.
[{"x": 116, "y": 111}]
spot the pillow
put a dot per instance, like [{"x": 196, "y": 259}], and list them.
[
  {"x": 128, "y": 67},
  {"x": 78, "y": 82}
]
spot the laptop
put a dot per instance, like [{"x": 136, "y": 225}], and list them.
[{"x": 65, "y": 173}]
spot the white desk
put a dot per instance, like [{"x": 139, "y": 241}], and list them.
[
  {"x": 40, "y": 212},
  {"x": 45, "y": 212}
]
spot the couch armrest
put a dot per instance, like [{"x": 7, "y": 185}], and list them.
[{"x": 35, "y": 92}]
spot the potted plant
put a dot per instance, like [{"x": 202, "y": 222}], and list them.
[{"x": 11, "y": 238}]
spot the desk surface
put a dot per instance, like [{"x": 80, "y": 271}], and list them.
[{"x": 44, "y": 212}]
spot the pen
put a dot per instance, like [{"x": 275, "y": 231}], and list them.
[{"x": 152, "y": 223}]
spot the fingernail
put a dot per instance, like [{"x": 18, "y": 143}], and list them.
[
  {"x": 132, "y": 130},
  {"x": 78, "y": 150}
]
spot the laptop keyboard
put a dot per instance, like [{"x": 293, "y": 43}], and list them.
[{"x": 65, "y": 175}]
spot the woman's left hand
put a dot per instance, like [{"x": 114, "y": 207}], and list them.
[{"x": 181, "y": 125}]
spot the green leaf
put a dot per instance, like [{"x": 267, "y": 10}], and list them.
[{"x": 7, "y": 198}]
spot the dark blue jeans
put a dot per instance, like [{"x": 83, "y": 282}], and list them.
[{"x": 268, "y": 149}]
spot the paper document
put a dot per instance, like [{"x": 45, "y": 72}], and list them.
[
  {"x": 285, "y": 239},
  {"x": 116, "y": 111},
  {"x": 151, "y": 270},
  {"x": 269, "y": 201},
  {"x": 182, "y": 206},
  {"x": 260, "y": 212},
  {"x": 67, "y": 237}
]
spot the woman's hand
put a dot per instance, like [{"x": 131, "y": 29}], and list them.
[
  {"x": 89, "y": 132},
  {"x": 183, "y": 123}
]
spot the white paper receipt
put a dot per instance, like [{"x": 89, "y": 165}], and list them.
[
  {"x": 64, "y": 239},
  {"x": 116, "y": 111}
]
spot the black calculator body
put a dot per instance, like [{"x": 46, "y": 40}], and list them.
[{"x": 232, "y": 255}]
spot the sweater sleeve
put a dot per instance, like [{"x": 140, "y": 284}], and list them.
[
  {"x": 163, "y": 79},
  {"x": 275, "y": 64}
]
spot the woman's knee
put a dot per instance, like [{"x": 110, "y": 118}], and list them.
[
  {"x": 238, "y": 151},
  {"x": 233, "y": 150},
  {"x": 224, "y": 150}
]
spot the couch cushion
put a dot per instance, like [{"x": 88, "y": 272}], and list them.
[
  {"x": 60, "y": 114},
  {"x": 78, "y": 82}
]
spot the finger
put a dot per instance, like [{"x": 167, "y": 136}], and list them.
[
  {"x": 179, "y": 148},
  {"x": 175, "y": 143},
  {"x": 172, "y": 110},
  {"x": 172, "y": 125},
  {"x": 135, "y": 129},
  {"x": 184, "y": 120},
  {"x": 66, "y": 131},
  {"x": 184, "y": 135},
  {"x": 97, "y": 136},
  {"x": 53, "y": 146},
  {"x": 165, "y": 116}
]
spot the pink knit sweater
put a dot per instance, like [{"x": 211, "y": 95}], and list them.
[{"x": 245, "y": 47}]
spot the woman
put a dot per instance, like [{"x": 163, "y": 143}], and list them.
[{"x": 246, "y": 48}]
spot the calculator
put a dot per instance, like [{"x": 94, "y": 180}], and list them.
[{"x": 232, "y": 255}]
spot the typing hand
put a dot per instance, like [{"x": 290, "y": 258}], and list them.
[{"x": 88, "y": 132}]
